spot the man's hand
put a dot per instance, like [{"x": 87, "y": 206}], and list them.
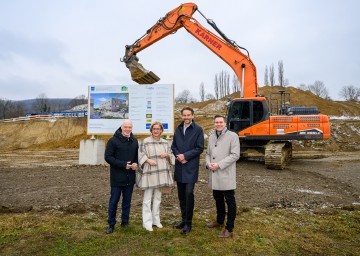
[
  {"x": 213, "y": 166},
  {"x": 134, "y": 166},
  {"x": 181, "y": 158}
]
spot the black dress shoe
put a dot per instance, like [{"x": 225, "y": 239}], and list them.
[
  {"x": 109, "y": 230},
  {"x": 124, "y": 224},
  {"x": 186, "y": 230},
  {"x": 179, "y": 225}
]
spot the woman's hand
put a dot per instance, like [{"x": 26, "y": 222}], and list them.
[
  {"x": 164, "y": 155},
  {"x": 151, "y": 162}
]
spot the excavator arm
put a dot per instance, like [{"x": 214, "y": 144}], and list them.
[{"x": 223, "y": 47}]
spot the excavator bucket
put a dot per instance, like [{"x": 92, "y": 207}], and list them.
[{"x": 140, "y": 75}]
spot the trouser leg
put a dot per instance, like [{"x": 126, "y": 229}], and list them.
[
  {"x": 220, "y": 206},
  {"x": 189, "y": 202},
  {"x": 186, "y": 197},
  {"x": 182, "y": 199},
  {"x": 231, "y": 204},
  {"x": 156, "y": 207},
  {"x": 126, "y": 203},
  {"x": 115, "y": 193},
  {"x": 146, "y": 208}
]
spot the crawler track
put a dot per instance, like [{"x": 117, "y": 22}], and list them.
[{"x": 277, "y": 155}]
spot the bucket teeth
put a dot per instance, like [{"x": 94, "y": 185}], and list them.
[{"x": 140, "y": 75}]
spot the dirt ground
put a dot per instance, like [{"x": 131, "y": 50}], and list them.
[{"x": 52, "y": 179}]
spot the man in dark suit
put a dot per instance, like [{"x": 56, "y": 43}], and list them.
[
  {"x": 187, "y": 146},
  {"x": 122, "y": 155}
]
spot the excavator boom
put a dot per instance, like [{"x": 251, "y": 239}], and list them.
[
  {"x": 163, "y": 27},
  {"x": 223, "y": 47}
]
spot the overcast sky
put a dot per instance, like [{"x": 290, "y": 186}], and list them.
[{"x": 60, "y": 47}]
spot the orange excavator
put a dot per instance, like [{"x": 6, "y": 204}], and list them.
[{"x": 264, "y": 125}]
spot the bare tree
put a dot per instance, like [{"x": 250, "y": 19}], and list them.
[
  {"x": 266, "y": 76},
  {"x": 227, "y": 83},
  {"x": 210, "y": 96},
  {"x": 202, "y": 92},
  {"x": 216, "y": 87},
  {"x": 222, "y": 81},
  {"x": 79, "y": 100},
  {"x": 16, "y": 109},
  {"x": 192, "y": 100},
  {"x": 10, "y": 109},
  {"x": 302, "y": 87},
  {"x": 286, "y": 82},
  {"x": 5, "y": 106},
  {"x": 319, "y": 89},
  {"x": 281, "y": 73},
  {"x": 221, "y": 85},
  {"x": 183, "y": 97},
  {"x": 350, "y": 92},
  {"x": 235, "y": 83},
  {"x": 272, "y": 75},
  {"x": 41, "y": 103}
]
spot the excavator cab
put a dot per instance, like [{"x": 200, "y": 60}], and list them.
[{"x": 243, "y": 113}]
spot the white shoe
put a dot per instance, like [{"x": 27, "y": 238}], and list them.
[
  {"x": 159, "y": 225},
  {"x": 149, "y": 229}
]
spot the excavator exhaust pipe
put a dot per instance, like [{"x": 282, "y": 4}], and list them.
[{"x": 139, "y": 74}]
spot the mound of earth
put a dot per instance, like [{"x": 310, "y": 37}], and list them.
[{"x": 65, "y": 132}]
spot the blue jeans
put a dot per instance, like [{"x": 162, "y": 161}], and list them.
[{"x": 115, "y": 194}]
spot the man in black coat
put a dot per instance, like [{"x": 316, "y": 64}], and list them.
[
  {"x": 187, "y": 146},
  {"x": 122, "y": 155}
]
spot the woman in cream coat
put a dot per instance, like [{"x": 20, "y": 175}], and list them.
[{"x": 155, "y": 158}]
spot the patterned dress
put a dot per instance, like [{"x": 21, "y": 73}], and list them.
[{"x": 159, "y": 175}]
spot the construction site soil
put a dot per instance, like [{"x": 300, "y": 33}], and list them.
[{"x": 40, "y": 171}]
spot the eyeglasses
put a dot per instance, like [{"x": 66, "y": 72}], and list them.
[{"x": 156, "y": 129}]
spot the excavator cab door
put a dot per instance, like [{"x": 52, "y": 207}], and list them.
[{"x": 244, "y": 113}]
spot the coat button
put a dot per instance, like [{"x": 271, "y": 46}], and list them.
[
  {"x": 213, "y": 157},
  {"x": 215, "y": 145}
]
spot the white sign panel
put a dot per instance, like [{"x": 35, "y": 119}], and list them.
[{"x": 109, "y": 105}]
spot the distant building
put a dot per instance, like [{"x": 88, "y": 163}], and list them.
[{"x": 113, "y": 104}]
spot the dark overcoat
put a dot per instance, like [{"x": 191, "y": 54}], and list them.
[
  {"x": 120, "y": 150},
  {"x": 191, "y": 145}
]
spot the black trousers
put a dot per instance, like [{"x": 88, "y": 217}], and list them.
[
  {"x": 220, "y": 197},
  {"x": 186, "y": 199}
]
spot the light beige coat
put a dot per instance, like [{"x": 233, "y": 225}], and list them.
[
  {"x": 159, "y": 175},
  {"x": 224, "y": 151}
]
